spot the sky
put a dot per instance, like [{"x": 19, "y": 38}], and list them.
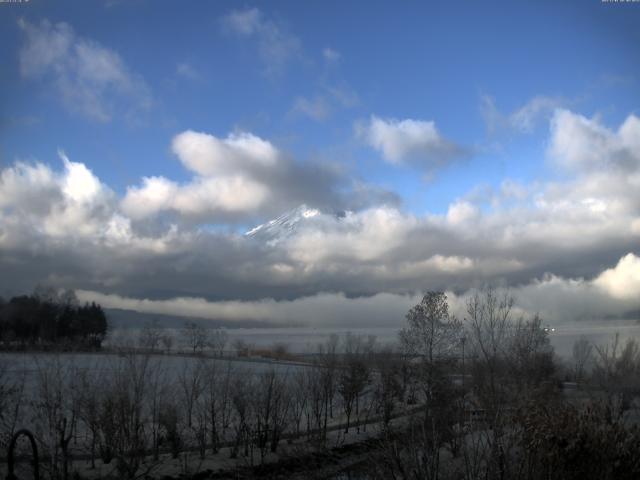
[{"x": 435, "y": 146}]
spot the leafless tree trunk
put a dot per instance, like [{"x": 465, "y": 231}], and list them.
[
  {"x": 125, "y": 415},
  {"x": 241, "y": 391},
  {"x": 191, "y": 387},
  {"x": 582, "y": 354},
  {"x": 157, "y": 380},
  {"x": 12, "y": 386},
  {"x": 150, "y": 335},
  {"x": 56, "y": 408},
  {"x": 617, "y": 373},
  {"x": 354, "y": 375},
  {"x": 299, "y": 390},
  {"x": 196, "y": 336},
  {"x": 218, "y": 341}
]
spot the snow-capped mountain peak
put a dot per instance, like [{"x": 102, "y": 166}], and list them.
[{"x": 283, "y": 226}]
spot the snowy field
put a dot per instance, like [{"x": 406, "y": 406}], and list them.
[{"x": 27, "y": 365}]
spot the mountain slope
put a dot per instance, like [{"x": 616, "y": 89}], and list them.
[{"x": 283, "y": 226}]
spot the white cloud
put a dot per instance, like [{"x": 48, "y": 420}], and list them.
[
  {"x": 321, "y": 106},
  {"x": 229, "y": 194},
  {"x": 276, "y": 46},
  {"x": 461, "y": 212},
  {"x": 316, "y": 108},
  {"x": 524, "y": 119},
  {"x": 90, "y": 79},
  {"x": 623, "y": 280},
  {"x": 188, "y": 71},
  {"x": 615, "y": 291},
  {"x": 224, "y": 182},
  {"x": 208, "y": 155},
  {"x": 155, "y": 194},
  {"x": 363, "y": 236},
  {"x": 330, "y": 55},
  {"x": 85, "y": 202},
  {"x": 20, "y": 182},
  {"x": 202, "y": 197},
  {"x": 579, "y": 143},
  {"x": 244, "y": 22},
  {"x": 409, "y": 141},
  {"x": 41, "y": 207},
  {"x": 80, "y": 184}
]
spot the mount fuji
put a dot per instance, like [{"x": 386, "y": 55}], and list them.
[{"x": 286, "y": 225}]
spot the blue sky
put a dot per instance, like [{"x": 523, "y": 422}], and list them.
[
  {"x": 418, "y": 60},
  {"x": 416, "y": 107}
]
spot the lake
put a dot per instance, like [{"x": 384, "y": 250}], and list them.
[{"x": 306, "y": 339}]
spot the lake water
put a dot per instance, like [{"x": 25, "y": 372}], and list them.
[{"x": 306, "y": 339}]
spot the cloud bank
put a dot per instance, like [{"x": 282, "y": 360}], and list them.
[{"x": 567, "y": 248}]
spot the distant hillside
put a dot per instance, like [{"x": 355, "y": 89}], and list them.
[{"x": 131, "y": 319}]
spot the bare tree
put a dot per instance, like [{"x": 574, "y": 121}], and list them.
[
  {"x": 353, "y": 376},
  {"x": 213, "y": 397},
  {"x": 241, "y": 392},
  {"x": 218, "y": 341},
  {"x": 150, "y": 335},
  {"x": 167, "y": 341},
  {"x": 196, "y": 336},
  {"x": 12, "y": 386},
  {"x": 299, "y": 391},
  {"x": 191, "y": 387},
  {"x": 124, "y": 416},
  {"x": 387, "y": 384},
  {"x": 617, "y": 372},
  {"x": 281, "y": 407},
  {"x": 488, "y": 322},
  {"x": 581, "y": 355},
  {"x": 169, "y": 420},
  {"x": 328, "y": 354},
  {"x": 432, "y": 332},
  {"x": 529, "y": 356},
  {"x": 89, "y": 410},
  {"x": 241, "y": 347},
  {"x": 270, "y": 410},
  {"x": 55, "y": 406},
  {"x": 157, "y": 389},
  {"x": 511, "y": 362},
  {"x": 318, "y": 404},
  {"x": 432, "y": 335}
]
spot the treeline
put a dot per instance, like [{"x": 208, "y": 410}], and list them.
[{"x": 51, "y": 318}]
